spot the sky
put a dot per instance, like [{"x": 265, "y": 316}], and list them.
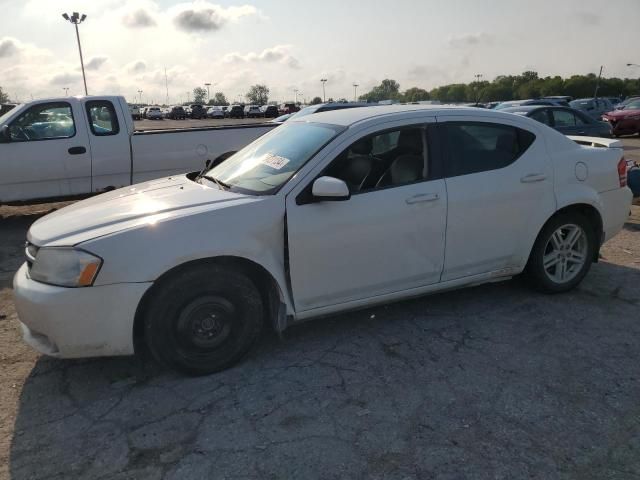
[{"x": 289, "y": 45}]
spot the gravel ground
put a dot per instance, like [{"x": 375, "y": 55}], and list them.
[{"x": 493, "y": 382}]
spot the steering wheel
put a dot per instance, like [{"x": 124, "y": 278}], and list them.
[{"x": 24, "y": 133}]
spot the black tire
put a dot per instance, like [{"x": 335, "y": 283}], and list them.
[
  {"x": 203, "y": 320},
  {"x": 535, "y": 271}
]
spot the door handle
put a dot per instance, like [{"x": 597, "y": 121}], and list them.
[
  {"x": 533, "y": 177},
  {"x": 422, "y": 197},
  {"x": 77, "y": 150},
  {"x": 581, "y": 133}
]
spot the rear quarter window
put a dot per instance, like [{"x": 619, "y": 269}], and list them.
[{"x": 472, "y": 147}]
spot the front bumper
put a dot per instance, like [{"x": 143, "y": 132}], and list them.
[{"x": 77, "y": 322}]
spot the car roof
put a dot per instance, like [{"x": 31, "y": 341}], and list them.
[{"x": 349, "y": 116}]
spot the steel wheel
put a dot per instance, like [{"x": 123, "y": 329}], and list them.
[{"x": 565, "y": 253}]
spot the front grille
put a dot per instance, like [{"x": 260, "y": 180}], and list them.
[{"x": 30, "y": 253}]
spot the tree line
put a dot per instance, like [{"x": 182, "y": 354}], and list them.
[{"x": 508, "y": 87}]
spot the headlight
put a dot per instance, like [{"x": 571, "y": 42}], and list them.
[{"x": 65, "y": 267}]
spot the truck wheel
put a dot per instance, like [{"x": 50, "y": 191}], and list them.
[
  {"x": 562, "y": 253},
  {"x": 203, "y": 320}
]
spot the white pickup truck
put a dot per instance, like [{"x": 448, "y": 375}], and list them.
[{"x": 74, "y": 146}]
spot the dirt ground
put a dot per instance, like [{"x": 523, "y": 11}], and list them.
[{"x": 493, "y": 382}]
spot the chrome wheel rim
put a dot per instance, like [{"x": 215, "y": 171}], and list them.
[{"x": 565, "y": 253}]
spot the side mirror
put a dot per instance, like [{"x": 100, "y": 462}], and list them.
[
  {"x": 5, "y": 134},
  {"x": 330, "y": 189}
]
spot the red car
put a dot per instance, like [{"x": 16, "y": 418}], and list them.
[{"x": 625, "y": 121}]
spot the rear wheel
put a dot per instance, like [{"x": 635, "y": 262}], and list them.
[
  {"x": 562, "y": 253},
  {"x": 203, "y": 320}
]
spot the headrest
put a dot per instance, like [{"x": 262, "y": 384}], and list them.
[
  {"x": 406, "y": 169},
  {"x": 362, "y": 146},
  {"x": 410, "y": 140}
]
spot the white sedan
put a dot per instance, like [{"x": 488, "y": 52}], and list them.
[{"x": 335, "y": 211}]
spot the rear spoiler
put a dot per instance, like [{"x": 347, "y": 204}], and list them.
[{"x": 596, "y": 141}]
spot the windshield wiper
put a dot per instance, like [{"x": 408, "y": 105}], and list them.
[{"x": 221, "y": 185}]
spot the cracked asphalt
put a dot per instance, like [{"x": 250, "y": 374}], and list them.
[{"x": 493, "y": 382}]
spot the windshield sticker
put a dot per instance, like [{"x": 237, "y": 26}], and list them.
[{"x": 274, "y": 161}]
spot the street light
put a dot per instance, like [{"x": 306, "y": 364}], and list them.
[
  {"x": 76, "y": 19},
  {"x": 632, "y": 65},
  {"x": 208, "y": 94},
  {"x": 140, "y": 96},
  {"x": 323, "y": 80},
  {"x": 295, "y": 92},
  {"x": 355, "y": 92},
  {"x": 66, "y": 91}
]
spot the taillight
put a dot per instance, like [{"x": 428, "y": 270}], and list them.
[{"x": 622, "y": 172}]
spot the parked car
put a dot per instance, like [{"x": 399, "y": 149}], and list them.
[
  {"x": 135, "y": 112},
  {"x": 522, "y": 103},
  {"x": 564, "y": 119},
  {"x": 326, "y": 107},
  {"x": 215, "y": 112},
  {"x": 614, "y": 101},
  {"x": 176, "y": 113},
  {"x": 236, "y": 111},
  {"x": 71, "y": 146},
  {"x": 198, "y": 111},
  {"x": 269, "y": 111},
  {"x": 594, "y": 107},
  {"x": 626, "y": 101},
  {"x": 562, "y": 100},
  {"x": 288, "y": 108},
  {"x": 626, "y": 120},
  {"x": 335, "y": 211},
  {"x": 143, "y": 112},
  {"x": 154, "y": 113},
  {"x": 252, "y": 111}
]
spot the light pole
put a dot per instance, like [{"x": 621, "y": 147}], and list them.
[
  {"x": 478, "y": 78},
  {"x": 208, "y": 93},
  {"x": 295, "y": 92},
  {"x": 140, "y": 96},
  {"x": 66, "y": 91},
  {"x": 323, "y": 80},
  {"x": 77, "y": 19},
  {"x": 355, "y": 92}
]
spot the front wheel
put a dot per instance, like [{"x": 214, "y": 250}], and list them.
[
  {"x": 562, "y": 253},
  {"x": 203, "y": 320}
]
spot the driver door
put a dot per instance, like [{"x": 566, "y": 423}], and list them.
[
  {"x": 388, "y": 237},
  {"x": 48, "y": 155}
]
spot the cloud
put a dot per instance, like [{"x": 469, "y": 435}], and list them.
[
  {"x": 470, "y": 39},
  {"x": 206, "y": 17},
  {"x": 65, "y": 78},
  {"x": 136, "y": 67},
  {"x": 140, "y": 18},
  {"x": 95, "y": 63},
  {"x": 8, "y": 47},
  {"x": 278, "y": 54},
  {"x": 588, "y": 18}
]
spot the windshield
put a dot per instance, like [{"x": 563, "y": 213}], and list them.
[
  {"x": 263, "y": 166},
  {"x": 632, "y": 105},
  {"x": 5, "y": 114}
]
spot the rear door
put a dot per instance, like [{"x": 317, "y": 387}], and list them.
[
  {"x": 109, "y": 142},
  {"x": 48, "y": 155},
  {"x": 499, "y": 182}
]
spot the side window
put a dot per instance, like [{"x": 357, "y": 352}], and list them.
[
  {"x": 391, "y": 158},
  {"x": 541, "y": 116},
  {"x": 581, "y": 120},
  {"x": 477, "y": 147},
  {"x": 46, "y": 121},
  {"x": 562, "y": 118},
  {"x": 102, "y": 117}
]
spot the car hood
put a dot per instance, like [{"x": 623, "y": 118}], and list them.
[
  {"x": 623, "y": 113},
  {"x": 142, "y": 204}
]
